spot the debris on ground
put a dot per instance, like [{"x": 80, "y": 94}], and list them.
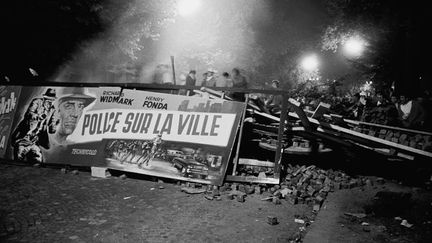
[
  {"x": 272, "y": 220},
  {"x": 356, "y": 215},
  {"x": 123, "y": 176},
  {"x": 299, "y": 221},
  {"x": 190, "y": 190},
  {"x": 406, "y": 224}
]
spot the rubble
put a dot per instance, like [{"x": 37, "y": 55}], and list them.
[
  {"x": 418, "y": 141},
  {"x": 191, "y": 190},
  {"x": 299, "y": 221},
  {"x": 272, "y": 220},
  {"x": 406, "y": 224},
  {"x": 356, "y": 215}
]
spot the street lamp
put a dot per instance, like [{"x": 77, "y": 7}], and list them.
[
  {"x": 354, "y": 46},
  {"x": 188, "y": 7},
  {"x": 310, "y": 63}
]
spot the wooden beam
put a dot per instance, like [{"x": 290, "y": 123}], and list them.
[
  {"x": 253, "y": 179},
  {"x": 236, "y": 158},
  {"x": 255, "y": 162},
  {"x": 281, "y": 130}
]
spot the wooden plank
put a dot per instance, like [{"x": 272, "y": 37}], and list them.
[
  {"x": 255, "y": 162},
  {"x": 274, "y": 118},
  {"x": 253, "y": 179},
  {"x": 220, "y": 94},
  {"x": 388, "y": 127},
  {"x": 300, "y": 114},
  {"x": 236, "y": 158},
  {"x": 279, "y": 148}
]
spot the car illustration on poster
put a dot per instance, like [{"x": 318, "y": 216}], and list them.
[{"x": 191, "y": 168}]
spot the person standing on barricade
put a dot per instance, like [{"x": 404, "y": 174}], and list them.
[
  {"x": 190, "y": 81},
  {"x": 239, "y": 81}
]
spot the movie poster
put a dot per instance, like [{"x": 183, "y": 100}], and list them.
[
  {"x": 8, "y": 103},
  {"x": 44, "y": 122},
  {"x": 172, "y": 136}
]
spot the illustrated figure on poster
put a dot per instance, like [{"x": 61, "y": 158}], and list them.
[
  {"x": 130, "y": 152},
  {"x": 144, "y": 150},
  {"x": 70, "y": 107},
  {"x": 32, "y": 131},
  {"x": 157, "y": 141}
]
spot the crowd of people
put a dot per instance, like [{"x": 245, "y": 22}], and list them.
[
  {"x": 386, "y": 108},
  {"x": 210, "y": 79},
  {"x": 400, "y": 110}
]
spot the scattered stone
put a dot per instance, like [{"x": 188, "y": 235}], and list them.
[
  {"x": 234, "y": 187},
  {"x": 262, "y": 175},
  {"x": 284, "y": 192},
  {"x": 356, "y": 215},
  {"x": 37, "y": 165},
  {"x": 63, "y": 170},
  {"x": 240, "y": 198},
  {"x": 272, "y": 220},
  {"x": 292, "y": 199},
  {"x": 161, "y": 187},
  {"x": 190, "y": 190},
  {"x": 123, "y": 176},
  {"x": 230, "y": 196},
  {"x": 381, "y": 228},
  {"x": 215, "y": 192},
  {"x": 276, "y": 200},
  {"x": 316, "y": 207},
  {"x": 299, "y": 221},
  {"x": 366, "y": 228},
  {"x": 406, "y": 224},
  {"x": 380, "y": 181},
  {"x": 75, "y": 172},
  {"x": 257, "y": 190},
  {"x": 267, "y": 199},
  {"x": 208, "y": 197},
  {"x": 369, "y": 183},
  {"x": 250, "y": 190}
]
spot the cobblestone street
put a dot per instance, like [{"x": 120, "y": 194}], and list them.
[{"x": 46, "y": 205}]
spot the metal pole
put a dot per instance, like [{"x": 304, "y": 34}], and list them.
[
  {"x": 279, "y": 147},
  {"x": 173, "y": 69},
  {"x": 236, "y": 158}
]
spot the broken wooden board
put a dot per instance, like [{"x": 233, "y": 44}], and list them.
[
  {"x": 253, "y": 179},
  {"x": 255, "y": 162}
]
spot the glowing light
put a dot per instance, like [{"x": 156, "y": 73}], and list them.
[
  {"x": 310, "y": 63},
  {"x": 354, "y": 46},
  {"x": 188, "y": 7}
]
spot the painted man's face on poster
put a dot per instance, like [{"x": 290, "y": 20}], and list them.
[{"x": 70, "y": 112}]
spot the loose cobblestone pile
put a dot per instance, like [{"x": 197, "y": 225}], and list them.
[{"x": 418, "y": 141}]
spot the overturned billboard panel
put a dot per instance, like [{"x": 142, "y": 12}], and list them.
[
  {"x": 165, "y": 135},
  {"x": 9, "y": 96}
]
